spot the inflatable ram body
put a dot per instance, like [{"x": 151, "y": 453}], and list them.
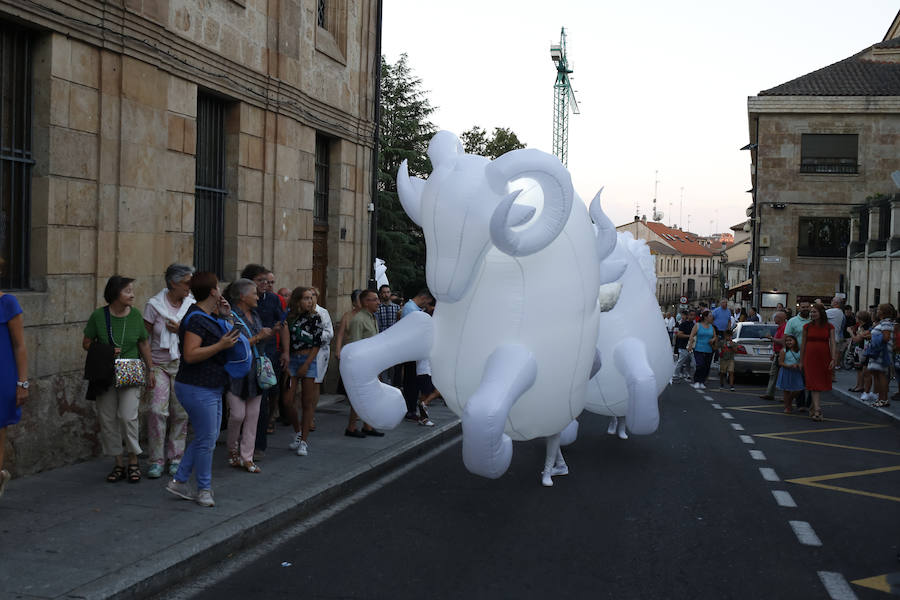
[{"x": 514, "y": 263}]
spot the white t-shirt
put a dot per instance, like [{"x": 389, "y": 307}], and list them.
[
  {"x": 670, "y": 324},
  {"x": 836, "y": 318}
]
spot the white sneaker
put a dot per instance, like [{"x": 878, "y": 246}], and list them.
[
  {"x": 622, "y": 434},
  {"x": 559, "y": 469},
  {"x": 546, "y": 479},
  {"x": 205, "y": 498},
  {"x": 180, "y": 489},
  {"x": 4, "y": 479},
  {"x": 302, "y": 449},
  {"x": 296, "y": 443},
  {"x": 695, "y": 385}
]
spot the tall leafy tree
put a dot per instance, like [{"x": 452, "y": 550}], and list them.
[
  {"x": 405, "y": 132},
  {"x": 477, "y": 141}
]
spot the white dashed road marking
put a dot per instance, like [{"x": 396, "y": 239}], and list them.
[
  {"x": 805, "y": 533},
  {"x": 836, "y": 586},
  {"x": 727, "y": 415},
  {"x": 745, "y": 438},
  {"x": 757, "y": 455},
  {"x": 707, "y": 398},
  {"x": 769, "y": 474},
  {"x": 716, "y": 406},
  {"x": 784, "y": 499},
  {"x": 737, "y": 426}
]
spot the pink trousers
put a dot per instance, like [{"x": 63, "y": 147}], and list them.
[{"x": 242, "y": 418}]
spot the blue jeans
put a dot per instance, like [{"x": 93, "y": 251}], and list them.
[{"x": 204, "y": 408}]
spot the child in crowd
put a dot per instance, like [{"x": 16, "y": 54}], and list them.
[
  {"x": 726, "y": 362},
  {"x": 790, "y": 377}
]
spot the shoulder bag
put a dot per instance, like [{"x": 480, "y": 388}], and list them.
[{"x": 130, "y": 372}]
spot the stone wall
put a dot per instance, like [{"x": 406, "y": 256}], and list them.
[
  {"x": 781, "y": 124},
  {"x": 115, "y": 139}
]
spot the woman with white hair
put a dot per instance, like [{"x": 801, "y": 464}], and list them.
[
  {"x": 162, "y": 315},
  {"x": 244, "y": 394}
]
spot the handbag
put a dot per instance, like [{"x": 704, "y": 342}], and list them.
[
  {"x": 130, "y": 372},
  {"x": 265, "y": 372}
]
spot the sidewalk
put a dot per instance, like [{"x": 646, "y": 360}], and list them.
[
  {"x": 68, "y": 533},
  {"x": 847, "y": 379}
]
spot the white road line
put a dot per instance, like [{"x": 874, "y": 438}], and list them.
[
  {"x": 745, "y": 438},
  {"x": 709, "y": 398},
  {"x": 784, "y": 499},
  {"x": 757, "y": 455},
  {"x": 727, "y": 415},
  {"x": 805, "y": 533},
  {"x": 769, "y": 474},
  {"x": 737, "y": 426},
  {"x": 716, "y": 406},
  {"x": 836, "y": 586}
]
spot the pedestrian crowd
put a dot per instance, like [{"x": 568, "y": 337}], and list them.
[
  {"x": 196, "y": 353},
  {"x": 807, "y": 349}
]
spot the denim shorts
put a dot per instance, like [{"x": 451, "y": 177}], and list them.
[{"x": 297, "y": 361}]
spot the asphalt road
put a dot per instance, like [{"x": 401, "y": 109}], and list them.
[{"x": 688, "y": 512}]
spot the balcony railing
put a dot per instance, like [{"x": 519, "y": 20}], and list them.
[{"x": 830, "y": 168}]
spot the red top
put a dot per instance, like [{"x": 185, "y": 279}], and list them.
[{"x": 778, "y": 338}]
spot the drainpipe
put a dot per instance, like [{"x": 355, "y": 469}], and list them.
[
  {"x": 755, "y": 293},
  {"x": 373, "y": 233}
]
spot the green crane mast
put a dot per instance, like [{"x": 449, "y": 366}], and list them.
[{"x": 562, "y": 95}]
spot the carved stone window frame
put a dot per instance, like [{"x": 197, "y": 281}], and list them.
[{"x": 331, "y": 40}]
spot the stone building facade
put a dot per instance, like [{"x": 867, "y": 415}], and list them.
[
  {"x": 208, "y": 132},
  {"x": 822, "y": 145},
  {"x": 696, "y": 266}
]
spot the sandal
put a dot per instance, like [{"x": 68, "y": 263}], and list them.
[
  {"x": 270, "y": 429},
  {"x": 251, "y": 467},
  {"x": 817, "y": 415},
  {"x": 234, "y": 459},
  {"x": 856, "y": 389},
  {"x": 134, "y": 473},
  {"x": 117, "y": 474},
  {"x": 881, "y": 403}
]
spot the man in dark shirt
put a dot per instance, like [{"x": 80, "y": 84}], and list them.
[
  {"x": 385, "y": 316},
  {"x": 684, "y": 368}
]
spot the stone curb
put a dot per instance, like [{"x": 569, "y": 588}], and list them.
[
  {"x": 849, "y": 398},
  {"x": 176, "y": 563}
]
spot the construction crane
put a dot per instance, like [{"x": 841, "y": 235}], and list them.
[{"x": 562, "y": 95}]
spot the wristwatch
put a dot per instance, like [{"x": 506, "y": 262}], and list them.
[{"x": 23, "y": 384}]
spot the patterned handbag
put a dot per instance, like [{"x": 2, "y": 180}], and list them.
[{"x": 130, "y": 372}]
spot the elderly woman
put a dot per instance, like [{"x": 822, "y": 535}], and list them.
[
  {"x": 162, "y": 315},
  {"x": 325, "y": 351},
  {"x": 244, "y": 394},
  {"x": 200, "y": 382},
  {"x": 120, "y": 325},
  {"x": 13, "y": 371}
]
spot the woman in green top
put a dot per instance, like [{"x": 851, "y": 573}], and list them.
[{"x": 117, "y": 408}]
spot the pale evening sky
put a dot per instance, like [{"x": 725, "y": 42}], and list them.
[{"x": 662, "y": 85}]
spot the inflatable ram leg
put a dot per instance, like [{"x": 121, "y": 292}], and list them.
[
  {"x": 630, "y": 357},
  {"x": 510, "y": 371},
  {"x": 378, "y": 404}
]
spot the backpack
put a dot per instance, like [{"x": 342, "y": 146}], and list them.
[{"x": 238, "y": 358}]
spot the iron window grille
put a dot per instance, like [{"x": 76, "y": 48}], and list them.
[
  {"x": 320, "y": 207},
  {"x": 834, "y": 153},
  {"x": 322, "y": 14},
  {"x": 210, "y": 192},
  {"x": 823, "y": 236},
  {"x": 16, "y": 159}
]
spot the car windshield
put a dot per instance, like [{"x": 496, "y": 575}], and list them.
[{"x": 756, "y": 331}]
